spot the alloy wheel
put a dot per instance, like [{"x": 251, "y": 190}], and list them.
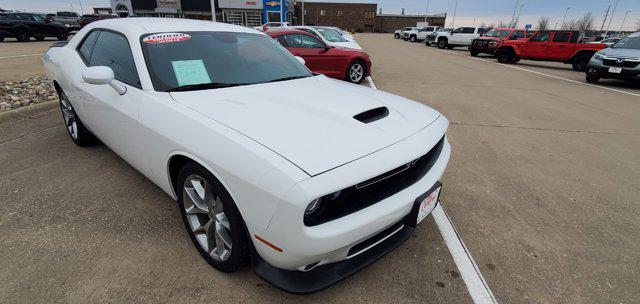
[
  {"x": 356, "y": 72},
  {"x": 70, "y": 120},
  {"x": 205, "y": 213}
]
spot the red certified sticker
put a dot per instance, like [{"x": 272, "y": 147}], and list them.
[{"x": 166, "y": 38}]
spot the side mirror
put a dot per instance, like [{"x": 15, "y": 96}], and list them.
[
  {"x": 102, "y": 75},
  {"x": 301, "y": 60},
  {"x": 481, "y": 34}
]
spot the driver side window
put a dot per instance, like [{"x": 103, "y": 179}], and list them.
[
  {"x": 113, "y": 50},
  {"x": 303, "y": 41},
  {"x": 541, "y": 37}
]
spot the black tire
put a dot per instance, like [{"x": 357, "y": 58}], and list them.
[
  {"x": 63, "y": 36},
  {"x": 240, "y": 246},
  {"x": 580, "y": 63},
  {"x": 80, "y": 135},
  {"x": 505, "y": 56},
  {"x": 356, "y": 79},
  {"x": 591, "y": 78},
  {"x": 39, "y": 37},
  {"x": 427, "y": 43},
  {"x": 1, "y": 38},
  {"x": 442, "y": 43},
  {"x": 23, "y": 36},
  {"x": 397, "y": 36},
  {"x": 413, "y": 38},
  {"x": 473, "y": 52}
]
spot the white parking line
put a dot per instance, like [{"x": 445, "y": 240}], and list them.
[
  {"x": 477, "y": 286},
  {"x": 543, "y": 74},
  {"x": 18, "y": 56}
]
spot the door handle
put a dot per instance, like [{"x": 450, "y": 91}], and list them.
[{"x": 561, "y": 46}]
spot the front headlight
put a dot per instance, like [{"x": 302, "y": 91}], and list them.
[
  {"x": 597, "y": 56},
  {"x": 313, "y": 206}
]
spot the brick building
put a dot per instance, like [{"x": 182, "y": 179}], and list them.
[
  {"x": 348, "y": 16},
  {"x": 388, "y": 23}
]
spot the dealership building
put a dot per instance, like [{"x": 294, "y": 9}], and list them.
[{"x": 361, "y": 17}]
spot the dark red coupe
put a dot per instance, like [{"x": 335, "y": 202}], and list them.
[{"x": 341, "y": 63}]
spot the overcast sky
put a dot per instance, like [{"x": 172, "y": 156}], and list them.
[{"x": 487, "y": 11}]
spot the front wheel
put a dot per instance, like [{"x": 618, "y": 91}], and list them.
[
  {"x": 63, "y": 36},
  {"x": 442, "y": 44},
  {"x": 397, "y": 36},
  {"x": 413, "y": 39},
  {"x": 473, "y": 52},
  {"x": 580, "y": 64},
  {"x": 23, "y": 36},
  {"x": 212, "y": 219},
  {"x": 356, "y": 72},
  {"x": 78, "y": 132},
  {"x": 1, "y": 38},
  {"x": 591, "y": 78},
  {"x": 505, "y": 56},
  {"x": 427, "y": 43}
]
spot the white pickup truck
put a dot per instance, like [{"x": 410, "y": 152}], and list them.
[
  {"x": 420, "y": 34},
  {"x": 462, "y": 36}
]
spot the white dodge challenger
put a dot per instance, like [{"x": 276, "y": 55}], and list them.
[{"x": 310, "y": 179}]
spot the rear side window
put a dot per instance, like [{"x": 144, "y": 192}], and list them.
[
  {"x": 561, "y": 37},
  {"x": 87, "y": 46},
  {"x": 482, "y": 30},
  {"x": 282, "y": 41},
  {"x": 517, "y": 35},
  {"x": 113, "y": 50},
  {"x": 468, "y": 30},
  {"x": 540, "y": 37}
]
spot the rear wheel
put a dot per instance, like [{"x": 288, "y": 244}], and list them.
[
  {"x": 63, "y": 36},
  {"x": 22, "y": 36},
  {"x": 397, "y": 36},
  {"x": 356, "y": 72},
  {"x": 1, "y": 38},
  {"x": 212, "y": 219},
  {"x": 78, "y": 132},
  {"x": 580, "y": 63},
  {"x": 442, "y": 43}
]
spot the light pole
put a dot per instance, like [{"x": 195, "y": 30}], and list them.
[
  {"x": 455, "y": 8},
  {"x": 515, "y": 23},
  {"x": 615, "y": 6},
  {"x": 565, "y": 17},
  {"x": 81, "y": 9},
  {"x": 513, "y": 17},
  {"x": 623, "y": 20},
  {"x": 302, "y": 12},
  {"x": 282, "y": 20},
  {"x": 213, "y": 10},
  {"x": 426, "y": 11}
]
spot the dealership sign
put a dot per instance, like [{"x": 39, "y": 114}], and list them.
[{"x": 242, "y": 4}]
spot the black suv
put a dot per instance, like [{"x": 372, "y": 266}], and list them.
[{"x": 23, "y": 26}]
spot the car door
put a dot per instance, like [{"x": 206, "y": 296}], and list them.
[
  {"x": 537, "y": 46},
  {"x": 113, "y": 118},
  {"x": 317, "y": 56},
  {"x": 41, "y": 25},
  {"x": 560, "y": 47}
]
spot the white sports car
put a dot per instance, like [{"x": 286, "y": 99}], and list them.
[{"x": 309, "y": 178}]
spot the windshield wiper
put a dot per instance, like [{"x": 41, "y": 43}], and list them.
[
  {"x": 288, "y": 78},
  {"x": 204, "y": 86}
]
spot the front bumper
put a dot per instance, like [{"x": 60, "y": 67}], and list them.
[
  {"x": 603, "y": 72},
  {"x": 309, "y": 253}
]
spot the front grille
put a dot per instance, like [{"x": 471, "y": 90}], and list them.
[
  {"x": 373, "y": 190},
  {"x": 481, "y": 43},
  {"x": 624, "y": 64}
]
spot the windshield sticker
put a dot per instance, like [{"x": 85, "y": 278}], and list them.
[
  {"x": 190, "y": 72},
  {"x": 166, "y": 38}
]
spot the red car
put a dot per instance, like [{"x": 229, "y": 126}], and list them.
[
  {"x": 560, "y": 46},
  {"x": 341, "y": 63},
  {"x": 489, "y": 42}
]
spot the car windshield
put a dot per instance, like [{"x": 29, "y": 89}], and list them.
[
  {"x": 331, "y": 35},
  {"x": 205, "y": 60},
  {"x": 629, "y": 42},
  {"x": 497, "y": 33}
]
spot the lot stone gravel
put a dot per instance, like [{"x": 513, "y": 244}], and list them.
[{"x": 17, "y": 94}]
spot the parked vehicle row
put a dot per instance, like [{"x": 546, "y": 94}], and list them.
[
  {"x": 617, "y": 58},
  {"x": 24, "y": 26}
]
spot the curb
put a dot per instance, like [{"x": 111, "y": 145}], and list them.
[{"x": 28, "y": 111}]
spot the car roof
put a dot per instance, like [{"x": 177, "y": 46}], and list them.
[
  {"x": 144, "y": 25},
  {"x": 284, "y": 31}
]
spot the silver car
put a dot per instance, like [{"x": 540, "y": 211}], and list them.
[{"x": 620, "y": 61}]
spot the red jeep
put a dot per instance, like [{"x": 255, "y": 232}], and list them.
[
  {"x": 559, "y": 46},
  {"x": 490, "y": 41}
]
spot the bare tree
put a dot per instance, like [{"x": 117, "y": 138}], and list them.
[
  {"x": 570, "y": 25},
  {"x": 638, "y": 25},
  {"x": 502, "y": 24},
  {"x": 586, "y": 22},
  {"x": 543, "y": 23},
  {"x": 491, "y": 25}
]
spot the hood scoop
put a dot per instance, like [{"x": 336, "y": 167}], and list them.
[{"x": 372, "y": 115}]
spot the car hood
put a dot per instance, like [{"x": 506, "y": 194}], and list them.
[
  {"x": 624, "y": 53},
  {"x": 347, "y": 44},
  {"x": 310, "y": 121}
]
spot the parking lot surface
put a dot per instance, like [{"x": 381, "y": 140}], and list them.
[{"x": 542, "y": 186}]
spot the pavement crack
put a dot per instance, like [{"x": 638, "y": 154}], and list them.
[
  {"x": 541, "y": 129},
  {"x": 29, "y": 133}
]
